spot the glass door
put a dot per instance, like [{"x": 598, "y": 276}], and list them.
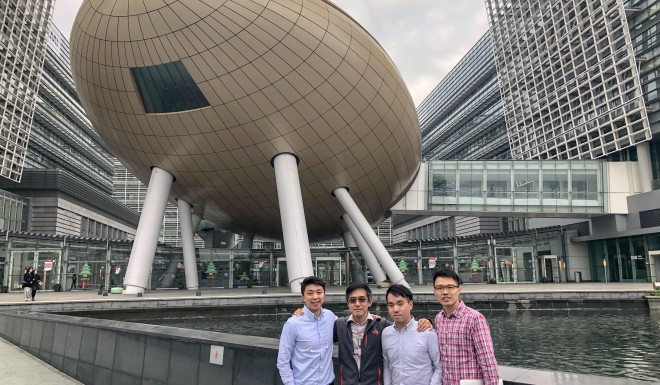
[
  {"x": 48, "y": 263},
  {"x": 281, "y": 273},
  {"x": 548, "y": 268},
  {"x": 330, "y": 269},
  {"x": 524, "y": 265},
  {"x": 504, "y": 264},
  {"x": 19, "y": 261}
]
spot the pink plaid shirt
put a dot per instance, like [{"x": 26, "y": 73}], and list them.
[{"x": 466, "y": 348}]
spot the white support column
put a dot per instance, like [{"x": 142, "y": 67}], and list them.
[
  {"x": 146, "y": 236},
  {"x": 644, "y": 167},
  {"x": 188, "y": 245},
  {"x": 294, "y": 227},
  {"x": 196, "y": 220},
  {"x": 349, "y": 241},
  {"x": 367, "y": 254},
  {"x": 349, "y": 206}
]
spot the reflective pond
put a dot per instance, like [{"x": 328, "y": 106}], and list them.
[{"x": 609, "y": 343}]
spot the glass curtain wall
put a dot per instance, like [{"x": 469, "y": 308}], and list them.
[
  {"x": 623, "y": 259},
  {"x": 520, "y": 258},
  {"x": 516, "y": 186}
]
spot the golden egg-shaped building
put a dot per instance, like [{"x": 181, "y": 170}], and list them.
[{"x": 211, "y": 91}]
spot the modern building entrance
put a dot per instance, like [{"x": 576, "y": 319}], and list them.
[
  {"x": 47, "y": 262},
  {"x": 548, "y": 268}
]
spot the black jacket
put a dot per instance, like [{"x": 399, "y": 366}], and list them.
[
  {"x": 27, "y": 279},
  {"x": 371, "y": 360},
  {"x": 35, "y": 282}
]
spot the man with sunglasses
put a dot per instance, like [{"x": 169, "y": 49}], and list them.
[
  {"x": 359, "y": 338},
  {"x": 466, "y": 347}
]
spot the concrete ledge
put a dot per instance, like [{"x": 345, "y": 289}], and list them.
[
  {"x": 481, "y": 300},
  {"x": 103, "y": 352},
  {"x": 654, "y": 303}
]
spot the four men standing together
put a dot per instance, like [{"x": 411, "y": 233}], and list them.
[{"x": 375, "y": 351}]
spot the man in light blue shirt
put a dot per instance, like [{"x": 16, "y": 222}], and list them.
[
  {"x": 305, "y": 354},
  {"x": 409, "y": 357}
]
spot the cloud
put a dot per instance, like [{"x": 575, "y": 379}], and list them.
[{"x": 424, "y": 38}]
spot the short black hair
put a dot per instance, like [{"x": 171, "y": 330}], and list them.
[
  {"x": 358, "y": 285},
  {"x": 311, "y": 281},
  {"x": 399, "y": 291},
  {"x": 448, "y": 274}
]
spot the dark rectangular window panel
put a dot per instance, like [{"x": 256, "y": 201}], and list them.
[
  {"x": 167, "y": 88},
  {"x": 650, "y": 218}
]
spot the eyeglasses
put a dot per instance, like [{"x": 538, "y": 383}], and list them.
[
  {"x": 354, "y": 300},
  {"x": 448, "y": 287}
]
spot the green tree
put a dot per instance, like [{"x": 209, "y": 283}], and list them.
[
  {"x": 85, "y": 272},
  {"x": 475, "y": 265},
  {"x": 210, "y": 269}
]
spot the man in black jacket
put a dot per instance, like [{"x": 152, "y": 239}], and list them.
[{"x": 358, "y": 335}]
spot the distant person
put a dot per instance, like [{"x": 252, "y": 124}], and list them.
[
  {"x": 359, "y": 337},
  {"x": 36, "y": 282},
  {"x": 74, "y": 280},
  {"x": 305, "y": 353},
  {"x": 409, "y": 357},
  {"x": 27, "y": 283},
  {"x": 466, "y": 347}
]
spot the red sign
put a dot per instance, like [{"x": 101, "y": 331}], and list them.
[
  {"x": 48, "y": 264},
  {"x": 432, "y": 263}
]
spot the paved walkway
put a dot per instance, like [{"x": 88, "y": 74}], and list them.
[
  {"x": 17, "y": 366},
  {"x": 92, "y": 294}
]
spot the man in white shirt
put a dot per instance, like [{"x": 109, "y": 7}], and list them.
[
  {"x": 409, "y": 357},
  {"x": 305, "y": 354}
]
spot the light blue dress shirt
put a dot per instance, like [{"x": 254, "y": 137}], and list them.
[
  {"x": 305, "y": 355},
  {"x": 410, "y": 357}
]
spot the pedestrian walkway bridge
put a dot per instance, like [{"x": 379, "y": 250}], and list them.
[{"x": 569, "y": 188}]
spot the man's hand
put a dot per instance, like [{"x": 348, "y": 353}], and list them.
[
  {"x": 424, "y": 324},
  {"x": 298, "y": 312}
]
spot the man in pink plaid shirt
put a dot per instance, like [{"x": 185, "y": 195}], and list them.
[{"x": 466, "y": 347}]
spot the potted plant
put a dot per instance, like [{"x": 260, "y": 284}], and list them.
[
  {"x": 653, "y": 298},
  {"x": 492, "y": 280},
  {"x": 57, "y": 287},
  {"x": 4, "y": 289}
]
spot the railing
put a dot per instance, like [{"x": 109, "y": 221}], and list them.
[{"x": 514, "y": 201}]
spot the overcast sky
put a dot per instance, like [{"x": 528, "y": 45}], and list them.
[{"x": 424, "y": 38}]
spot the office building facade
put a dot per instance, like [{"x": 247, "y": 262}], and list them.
[
  {"x": 66, "y": 182},
  {"x": 65, "y": 157},
  {"x": 568, "y": 77},
  {"x": 22, "y": 50},
  {"x": 577, "y": 80}
]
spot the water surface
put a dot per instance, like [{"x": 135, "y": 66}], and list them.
[{"x": 606, "y": 342}]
